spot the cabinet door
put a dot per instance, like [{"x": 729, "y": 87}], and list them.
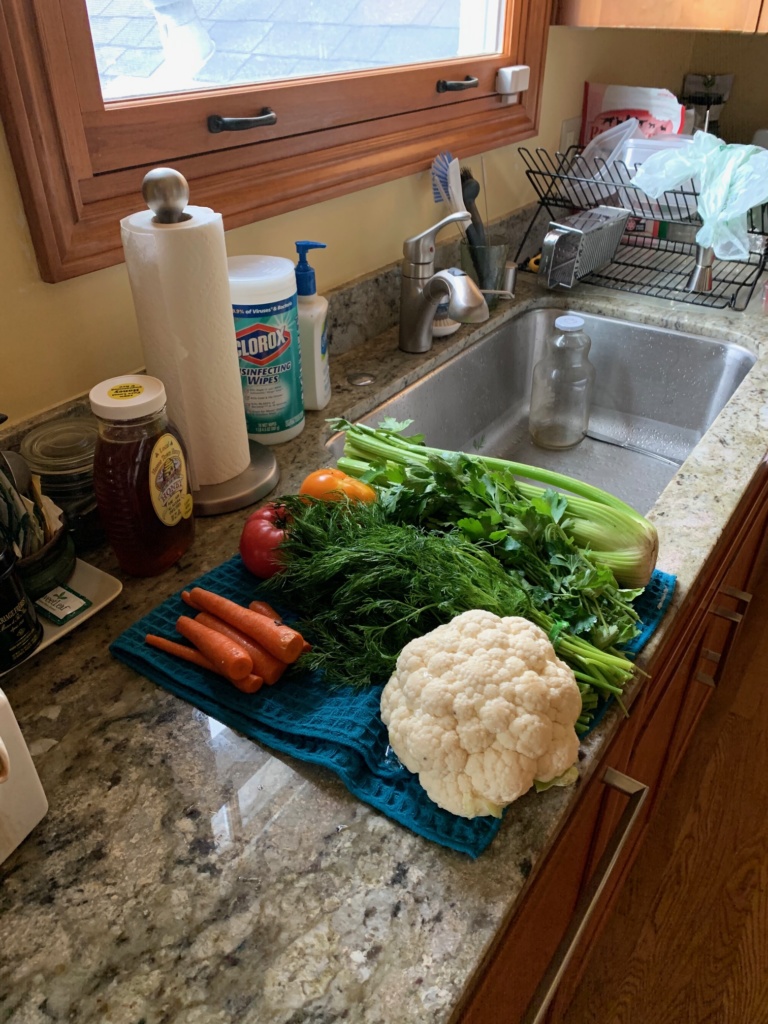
[
  {"x": 734, "y": 16},
  {"x": 534, "y": 951},
  {"x": 529, "y": 943},
  {"x": 612, "y": 806},
  {"x": 723, "y": 619}
]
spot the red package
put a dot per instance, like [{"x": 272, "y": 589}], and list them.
[{"x": 657, "y": 110}]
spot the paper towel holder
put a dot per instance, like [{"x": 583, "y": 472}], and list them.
[
  {"x": 256, "y": 481},
  {"x": 166, "y": 193}
]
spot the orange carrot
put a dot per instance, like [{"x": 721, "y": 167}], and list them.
[
  {"x": 265, "y": 609},
  {"x": 281, "y": 641},
  {"x": 250, "y": 684},
  {"x": 179, "y": 650},
  {"x": 265, "y": 664},
  {"x": 227, "y": 657}
]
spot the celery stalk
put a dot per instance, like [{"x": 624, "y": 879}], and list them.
[{"x": 611, "y": 532}]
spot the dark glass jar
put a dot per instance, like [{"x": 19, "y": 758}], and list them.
[
  {"x": 20, "y": 629},
  {"x": 140, "y": 475}
]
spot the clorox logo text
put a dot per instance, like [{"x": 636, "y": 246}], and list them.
[{"x": 262, "y": 344}]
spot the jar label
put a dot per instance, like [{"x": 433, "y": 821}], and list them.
[
  {"x": 270, "y": 364},
  {"x": 126, "y": 390},
  {"x": 168, "y": 486},
  {"x": 20, "y": 631}
]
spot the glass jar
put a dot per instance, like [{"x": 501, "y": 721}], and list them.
[
  {"x": 61, "y": 453},
  {"x": 140, "y": 475},
  {"x": 20, "y": 629},
  {"x": 563, "y": 380}
]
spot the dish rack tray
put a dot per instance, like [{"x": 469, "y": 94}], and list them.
[{"x": 644, "y": 264}]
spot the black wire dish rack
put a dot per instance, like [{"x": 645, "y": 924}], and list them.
[{"x": 658, "y": 251}]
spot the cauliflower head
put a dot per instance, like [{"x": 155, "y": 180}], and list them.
[{"x": 479, "y": 708}]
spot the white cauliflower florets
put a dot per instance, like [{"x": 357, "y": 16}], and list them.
[{"x": 480, "y": 708}]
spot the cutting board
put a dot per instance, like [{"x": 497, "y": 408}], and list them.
[{"x": 22, "y": 801}]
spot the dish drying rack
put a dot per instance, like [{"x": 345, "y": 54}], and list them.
[{"x": 657, "y": 266}]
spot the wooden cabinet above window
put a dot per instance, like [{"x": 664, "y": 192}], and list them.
[{"x": 707, "y": 15}]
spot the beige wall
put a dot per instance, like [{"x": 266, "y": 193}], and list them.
[
  {"x": 747, "y": 58},
  {"x": 58, "y": 340}
]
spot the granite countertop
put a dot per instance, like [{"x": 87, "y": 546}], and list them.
[{"x": 184, "y": 874}]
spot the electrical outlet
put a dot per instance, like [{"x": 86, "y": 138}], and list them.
[{"x": 569, "y": 133}]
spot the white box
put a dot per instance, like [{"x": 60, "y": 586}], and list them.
[{"x": 23, "y": 803}]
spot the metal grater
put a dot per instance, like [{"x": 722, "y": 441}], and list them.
[{"x": 580, "y": 244}]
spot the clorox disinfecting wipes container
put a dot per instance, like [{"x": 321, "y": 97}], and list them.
[{"x": 265, "y": 308}]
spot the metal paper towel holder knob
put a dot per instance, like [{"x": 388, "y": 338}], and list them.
[{"x": 166, "y": 193}]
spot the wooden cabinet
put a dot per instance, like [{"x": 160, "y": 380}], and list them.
[
  {"x": 735, "y": 16},
  {"x": 543, "y": 952}
]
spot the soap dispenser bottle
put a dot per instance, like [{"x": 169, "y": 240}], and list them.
[
  {"x": 313, "y": 319},
  {"x": 563, "y": 381}
]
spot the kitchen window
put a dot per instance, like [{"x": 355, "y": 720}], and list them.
[{"x": 359, "y": 104}]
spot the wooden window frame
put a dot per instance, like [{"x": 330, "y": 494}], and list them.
[{"x": 80, "y": 163}]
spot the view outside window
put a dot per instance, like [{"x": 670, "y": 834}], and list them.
[{"x": 146, "y": 47}]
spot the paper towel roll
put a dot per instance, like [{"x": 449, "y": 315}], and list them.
[{"x": 180, "y": 285}]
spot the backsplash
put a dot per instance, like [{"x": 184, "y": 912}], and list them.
[{"x": 358, "y": 311}]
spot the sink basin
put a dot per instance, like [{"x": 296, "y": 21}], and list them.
[{"x": 656, "y": 390}]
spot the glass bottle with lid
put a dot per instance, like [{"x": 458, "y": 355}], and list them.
[
  {"x": 563, "y": 381},
  {"x": 140, "y": 475}
]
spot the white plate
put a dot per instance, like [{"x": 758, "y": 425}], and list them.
[{"x": 99, "y": 587}]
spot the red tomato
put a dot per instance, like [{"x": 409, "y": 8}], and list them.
[
  {"x": 332, "y": 485},
  {"x": 262, "y": 535}
]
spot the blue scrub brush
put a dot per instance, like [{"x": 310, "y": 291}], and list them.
[{"x": 446, "y": 184}]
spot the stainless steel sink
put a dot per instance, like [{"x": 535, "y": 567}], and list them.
[{"x": 656, "y": 390}]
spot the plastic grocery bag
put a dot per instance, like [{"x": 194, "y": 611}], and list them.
[
  {"x": 731, "y": 180},
  {"x": 595, "y": 165}
]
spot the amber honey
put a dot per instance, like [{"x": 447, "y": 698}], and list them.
[{"x": 140, "y": 477}]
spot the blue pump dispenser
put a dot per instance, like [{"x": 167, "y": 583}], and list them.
[{"x": 305, "y": 275}]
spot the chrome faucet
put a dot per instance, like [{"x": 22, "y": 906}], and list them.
[{"x": 422, "y": 290}]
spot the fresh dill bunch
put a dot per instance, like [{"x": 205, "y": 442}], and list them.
[{"x": 363, "y": 587}]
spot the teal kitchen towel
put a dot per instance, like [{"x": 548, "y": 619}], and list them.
[{"x": 339, "y": 728}]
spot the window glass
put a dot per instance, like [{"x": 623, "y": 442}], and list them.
[{"x": 151, "y": 47}]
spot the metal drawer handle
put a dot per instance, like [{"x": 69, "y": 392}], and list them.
[
  {"x": 589, "y": 896},
  {"x": 740, "y": 595},
  {"x": 726, "y": 613},
  {"x": 216, "y": 123},
  {"x": 734, "y": 617},
  {"x": 470, "y": 82},
  {"x": 702, "y": 677}
]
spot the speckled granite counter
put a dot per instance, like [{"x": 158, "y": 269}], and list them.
[{"x": 185, "y": 875}]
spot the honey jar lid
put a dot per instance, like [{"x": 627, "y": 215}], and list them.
[{"x": 128, "y": 397}]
